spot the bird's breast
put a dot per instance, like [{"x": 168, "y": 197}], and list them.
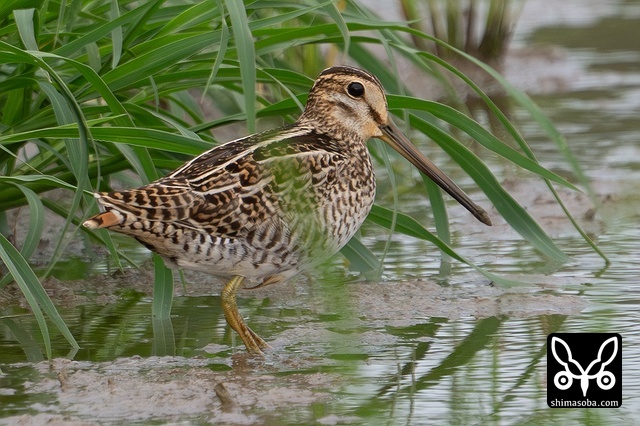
[{"x": 344, "y": 192}]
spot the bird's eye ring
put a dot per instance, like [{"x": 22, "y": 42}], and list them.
[{"x": 355, "y": 89}]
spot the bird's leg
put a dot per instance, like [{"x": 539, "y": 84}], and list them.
[{"x": 252, "y": 341}]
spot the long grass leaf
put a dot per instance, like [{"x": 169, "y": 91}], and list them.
[
  {"x": 535, "y": 112},
  {"x": 479, "y": 133},
  {"x": 26, "y": 28},
  {"x": 64, "y": 114},
  {"x": 66, "y": 110},
  {"x": 36, "y": 222},
  {"x": 162, "y": 289},
  {"x": 222, "y": 50},
  {"x": 246, "y": 57},
  {"x": 139, "y": 157},
  {"x": 32, "y": 289},
  {"x": 116, "y": 35},
  {"x": 441, "y": 218},
  {"x": 99, "y": 32},
  {"x": 200, "y": 12},
  {"x": 93, "y": 56},
  {"x": 164, "y": 54},
  {"x": 26, "y": 341},
  {"x": 149, "y": 138},
  {"x": 45, "y": 179},
  {"x": 360, "y": 257},
  {"x": 512, "y": 212},
  {"x": 383, "y": 150},
  {"x": 78, "y": 152},
  {"x": 411, "y": 227},
  {"x": 542, "y": 119},
  {"x": 274, "y": 22},
  {"x": 335, "y": 14}
]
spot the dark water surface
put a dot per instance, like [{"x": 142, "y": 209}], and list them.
[{"x": 383, "y": 360}]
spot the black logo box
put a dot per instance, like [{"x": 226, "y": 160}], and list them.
[{"x": 584, "y": 370}]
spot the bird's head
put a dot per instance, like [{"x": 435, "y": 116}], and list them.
[{"x": 350, "y": 105}]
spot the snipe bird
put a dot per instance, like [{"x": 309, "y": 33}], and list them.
[{"x": 271, "y": 205}]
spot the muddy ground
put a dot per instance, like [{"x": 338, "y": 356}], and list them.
[{"x": 251, "y": 390}]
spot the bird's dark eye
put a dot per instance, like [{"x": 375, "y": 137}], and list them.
[{"x": 355, "y": 89}]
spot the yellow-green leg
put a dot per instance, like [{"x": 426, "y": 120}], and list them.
[{"x": 252, "y": 341}]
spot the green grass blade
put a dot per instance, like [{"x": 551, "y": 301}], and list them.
[
  {"x": 64, "y": 109},
  {"x": 138, "y": 156},
  {"x": 547, "y": 125},
  {"x": 64, "y": 114},
  {"x": 383, "y": 150},
  {"x": 247, "y": 58},
  {"x": 509, "y": 208},
  {"x": 275, "y": 22},
  {"x": 193, "y": 16},
  {"x": 48, "y": 180},
  {"x": 411, "y": 227},
  {"x": 162, "y": 289},
  {"x": 148, "y": 138},
  {"x": 360, "y": 257},
  {"x": 36, "y": 222},
  {"x": 440, "y": 215},
  {"x": 26, "y": 28},
  {"x": 335, "y": 14},
  {"x": 479, "y": 133},
  {"x": 535, "y": 111},
  {"x": 93, "y": 56},
  {"x": 163, "y": 54},
  {"x": 97, "y": 33},
  {"x": 222, "y": 50},
  {"x": 116, "y": 35},
  {"x": 67, "y": 110},
  {"x": 26, "y": 341},
  {"x": 33, "y": 291},
  {"x": 164, "y": 339}
]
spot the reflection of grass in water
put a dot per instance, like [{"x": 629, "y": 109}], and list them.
[
  {"x": 123, "y": 328},
  {"x": 466, "y": 360},
  {"x": 465, "y": 374},
  {"x": 480, "y": 28}
]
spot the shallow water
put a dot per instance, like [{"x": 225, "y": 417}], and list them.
[{"x": 456, "y": 350}]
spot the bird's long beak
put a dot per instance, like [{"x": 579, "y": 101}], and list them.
[{"x": 394, "y": 137}]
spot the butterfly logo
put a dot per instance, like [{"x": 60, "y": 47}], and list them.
[{"x": 595, "y": 370}]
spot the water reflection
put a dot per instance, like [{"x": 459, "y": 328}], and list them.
[{"x": 459, "y": 370}]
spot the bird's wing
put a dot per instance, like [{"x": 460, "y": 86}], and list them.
[{"x": 232, "y": 189}]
